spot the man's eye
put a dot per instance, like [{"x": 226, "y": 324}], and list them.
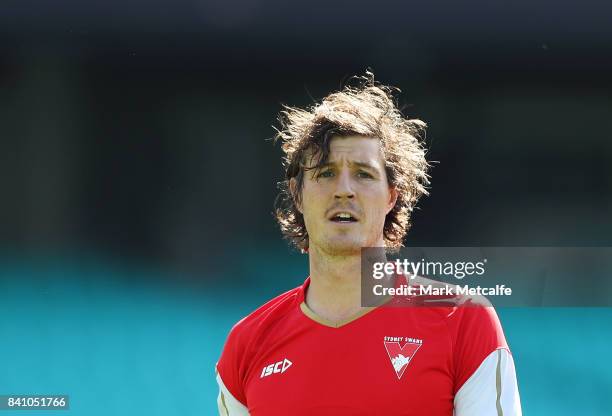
[
  {"x": 363, "y": 174},
  {"x": 325, "y": 174}
]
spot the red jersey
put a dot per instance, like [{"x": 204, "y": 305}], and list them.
[{"x": 284, "y": 360}]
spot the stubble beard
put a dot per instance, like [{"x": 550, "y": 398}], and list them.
[{"x": 341, "y": 246}]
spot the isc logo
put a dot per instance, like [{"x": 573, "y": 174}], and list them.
[{"x": 279, "y": 367}]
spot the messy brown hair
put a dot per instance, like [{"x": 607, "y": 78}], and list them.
[{"x": 362, "y": 108}]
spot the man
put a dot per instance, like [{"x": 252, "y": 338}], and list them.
[{"x": 355, "y": 168}]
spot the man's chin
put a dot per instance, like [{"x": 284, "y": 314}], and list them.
[{"x": 343, "y": 247}]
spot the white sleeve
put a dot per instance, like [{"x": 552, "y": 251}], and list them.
[
  {"x": 227, "y": 404},
  {"x": 492, "y": 390}
]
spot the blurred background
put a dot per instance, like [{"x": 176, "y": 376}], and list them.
[{"x": 138, "y": 182}]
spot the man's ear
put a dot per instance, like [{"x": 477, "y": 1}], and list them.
[
  {"x": 293, "y": 188},
  {"x": 393, "y": 194}
]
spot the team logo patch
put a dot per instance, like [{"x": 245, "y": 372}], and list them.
[{"x": 400, "y": 351}]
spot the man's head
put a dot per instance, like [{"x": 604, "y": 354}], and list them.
[{"x": 354, "y": 153}]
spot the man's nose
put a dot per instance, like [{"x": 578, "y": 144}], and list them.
[{"x": 344, "y": 188}]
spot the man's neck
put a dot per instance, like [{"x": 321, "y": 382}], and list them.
[{"x": 334, "y": 292}]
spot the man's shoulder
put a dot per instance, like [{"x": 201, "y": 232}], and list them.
[
  {"x": 461, "y": 312},
  {"x": 267, "y": 314},
  {"x": 471, "y": 319}
]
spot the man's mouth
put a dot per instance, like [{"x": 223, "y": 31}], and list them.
[{"x": 343, "y": 217}]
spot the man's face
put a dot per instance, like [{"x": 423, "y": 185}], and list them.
[{"x": 345, "y": 202}]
